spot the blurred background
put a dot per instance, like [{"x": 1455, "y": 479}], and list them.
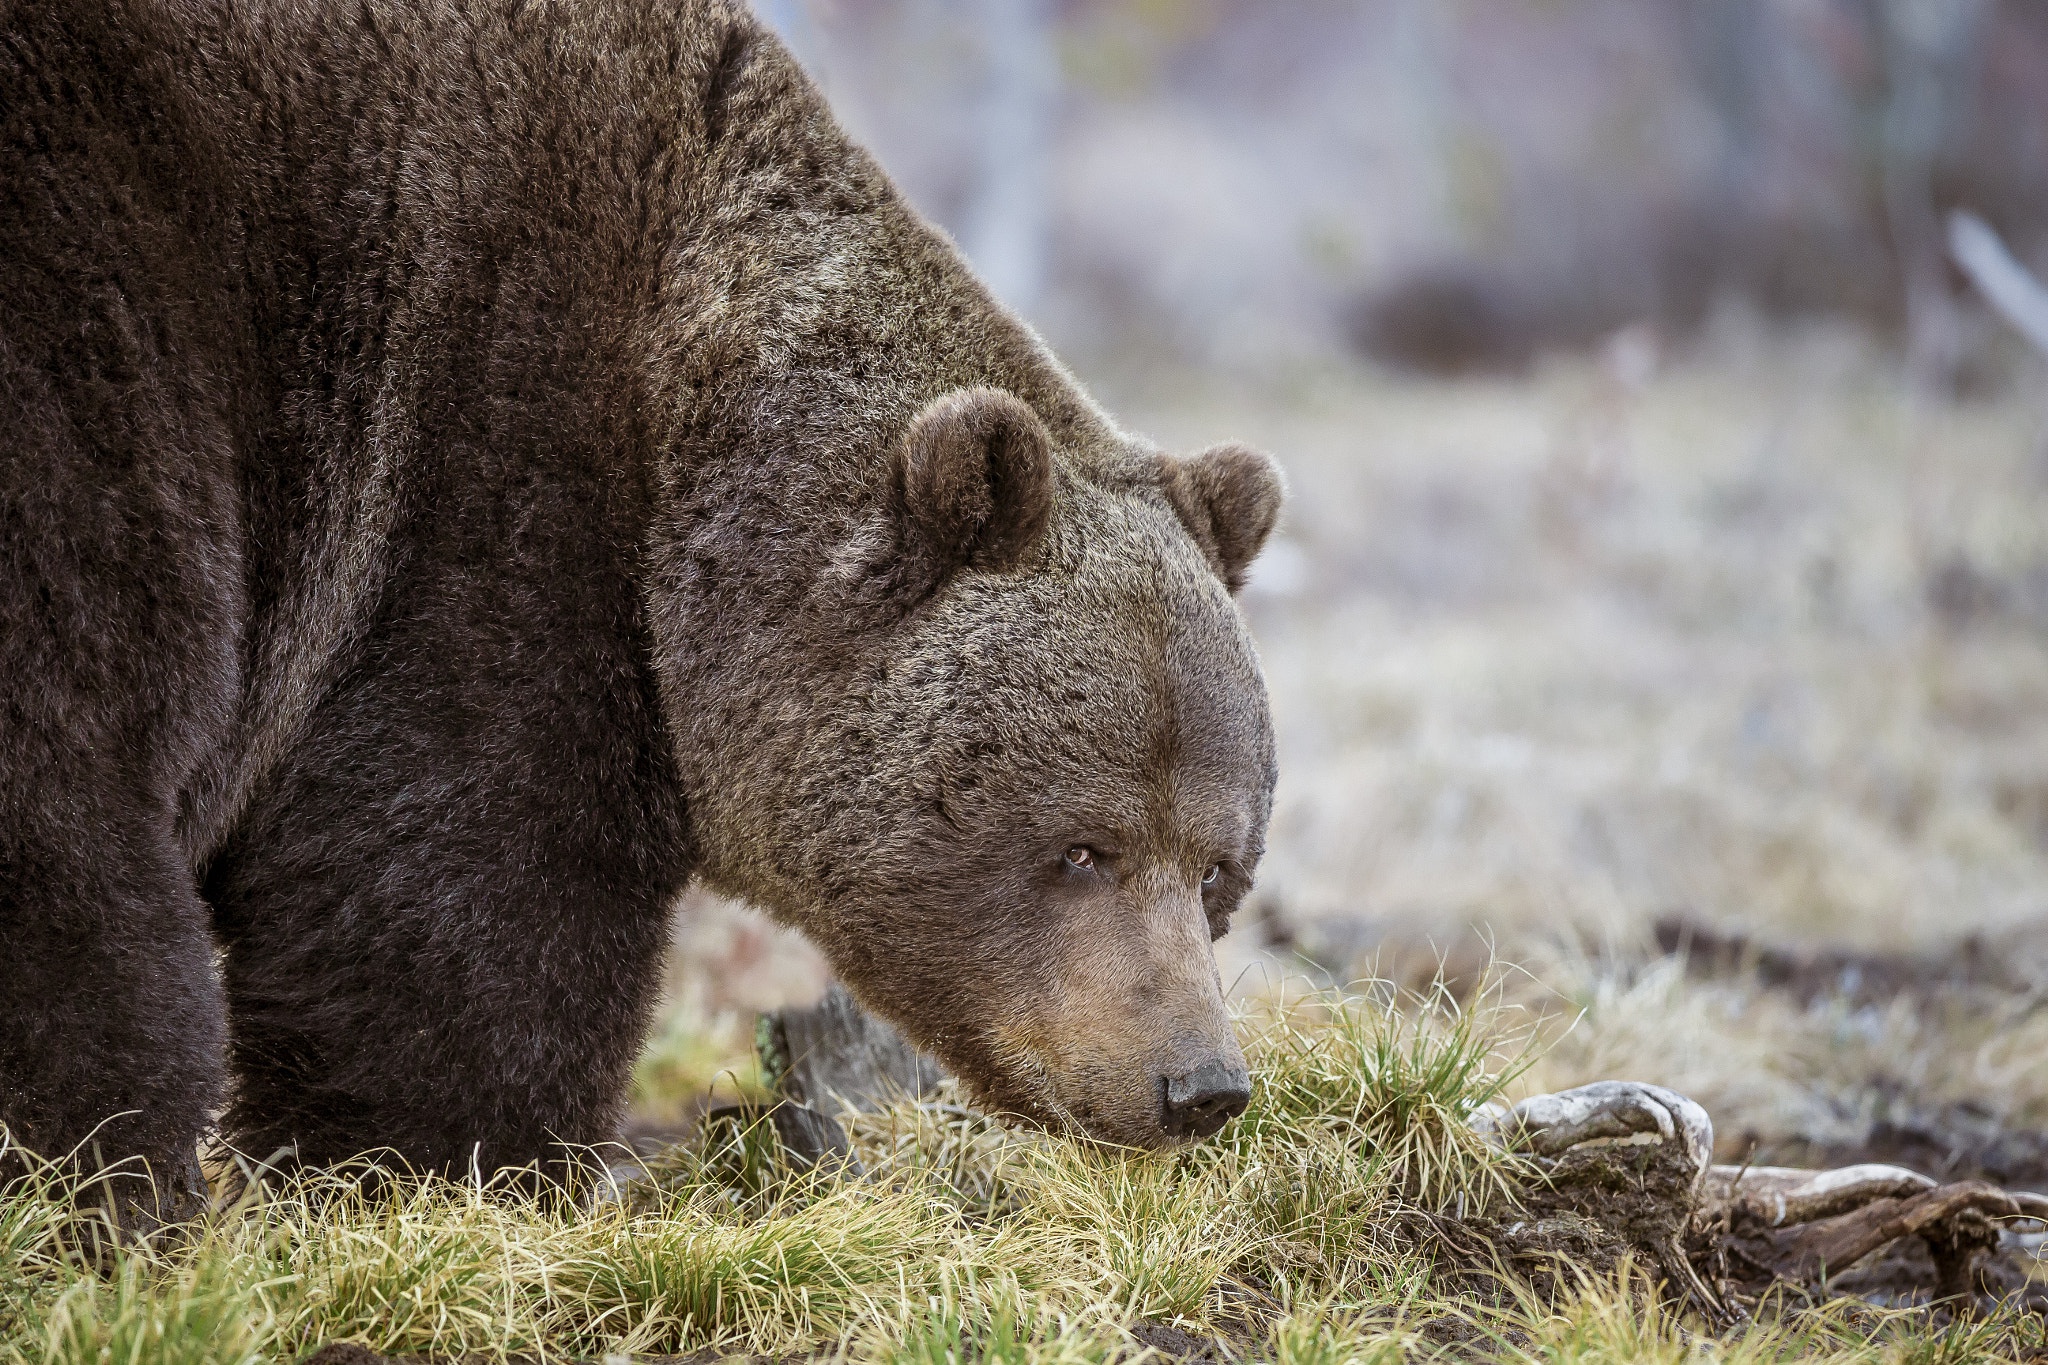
[
  {"x": 1450, "y": 186},
  {"x": 1661, "y": 616}
]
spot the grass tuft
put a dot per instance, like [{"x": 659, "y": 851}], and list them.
[{"x": 1389, "y": 1077}]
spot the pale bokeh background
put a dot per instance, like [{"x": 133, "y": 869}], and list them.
[{"x": 1668, "y": 554}]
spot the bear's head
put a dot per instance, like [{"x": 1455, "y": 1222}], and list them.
[{"x": 1035, "y": 778}]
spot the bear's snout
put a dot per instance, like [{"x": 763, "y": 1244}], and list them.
[
  {"x": 1131, "y": 1041},
  {"x": 1195, "y": 1105}
]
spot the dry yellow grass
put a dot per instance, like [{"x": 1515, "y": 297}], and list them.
[
  {"x": 1758, "y": 640},
  {"x": 966, "y": 1239},
  {"x": 1304, "y": 1235}
]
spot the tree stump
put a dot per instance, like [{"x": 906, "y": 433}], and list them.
[
  {"x": 822, "y": 1060},
  {"x": 835, "y": 1055}
]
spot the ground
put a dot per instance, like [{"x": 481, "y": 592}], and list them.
[
  {"x": 1743, "y": 650},
  {"x": 1695, "y": 701}
]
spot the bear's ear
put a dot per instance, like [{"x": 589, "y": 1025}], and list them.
[
  {"x": 1228, "y": 497},
  {"x": 973, "y": 487}
]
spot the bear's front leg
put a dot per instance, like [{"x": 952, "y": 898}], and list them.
[
  {"x": 111, "y": 1034},
  {"x": 121, "y": 615},
  {"x": 446, "y": 919}
]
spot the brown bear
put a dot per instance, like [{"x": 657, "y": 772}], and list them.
[{"x": 469, "y": 469}]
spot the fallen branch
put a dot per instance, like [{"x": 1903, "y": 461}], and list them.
[
  {"x": 1626, "y": 1163},
  {"x": 2010, "y": 287},
  {"x": 1955, "y": 1221}
]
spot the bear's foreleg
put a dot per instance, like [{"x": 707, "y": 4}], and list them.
[
  {"x": 446, "y": 920},
  {"x": 111, "y": 1034},
  {"x": 121, "y": 611}
]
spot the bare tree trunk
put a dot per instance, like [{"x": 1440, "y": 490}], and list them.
[
  {"x": 1932, "y": 49},
  {"x": 1005, "y": 228}
]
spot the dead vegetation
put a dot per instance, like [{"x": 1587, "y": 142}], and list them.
[
  {"x": 1696, "y": 701},
  {"x": 1355, "y": 1212},
  {"x": 1706, "y": 687}
]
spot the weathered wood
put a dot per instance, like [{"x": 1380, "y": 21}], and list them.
[
  {"x": 1624, "y": 1164},
  {"x": 821, "y": 1061},
  {"x": 1778, "y": 1195},
  {"x": 835, "y": 1055},
  {"x": 1942, "y": 1215}
]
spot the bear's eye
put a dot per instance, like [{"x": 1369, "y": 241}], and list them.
[
  {"x": 1081, "y": 856},
  {"x": 1214, "y": 872}
]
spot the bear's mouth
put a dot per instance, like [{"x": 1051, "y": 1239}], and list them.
[
  {"x": 1021, "y": 1085},
  {"x": 1025, "y": 1087}
]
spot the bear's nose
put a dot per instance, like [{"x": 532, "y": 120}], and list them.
[{"x": 1205, "y": 1099}]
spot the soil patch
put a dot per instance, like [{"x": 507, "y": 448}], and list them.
[{"x": 1837, "y": 973}]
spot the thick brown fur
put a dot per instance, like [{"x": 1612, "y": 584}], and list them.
[{"x": 467, "y": 469}]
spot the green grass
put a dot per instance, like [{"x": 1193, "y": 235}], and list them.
[
  {"x": 692, "y": 1058},
  {"x": 1303, "y": 1236}
]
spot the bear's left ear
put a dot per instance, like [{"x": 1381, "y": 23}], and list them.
[
  {"x": 1229, "y": 498},
  {"x": 973, "y": 487}
]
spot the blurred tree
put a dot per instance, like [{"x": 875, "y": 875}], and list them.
[
  {"x": 1932, "y": 57},
  {"x": 1731, "y": 43},
  {"x": 1006, "y": 223}
]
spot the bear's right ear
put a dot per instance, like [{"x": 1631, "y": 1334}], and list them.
[
  {"x": 1229, "y": 498},
  {"x": 973, "y": 488}
]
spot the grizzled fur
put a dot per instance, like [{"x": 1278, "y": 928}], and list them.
[{"x": 467, "y": 469}]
